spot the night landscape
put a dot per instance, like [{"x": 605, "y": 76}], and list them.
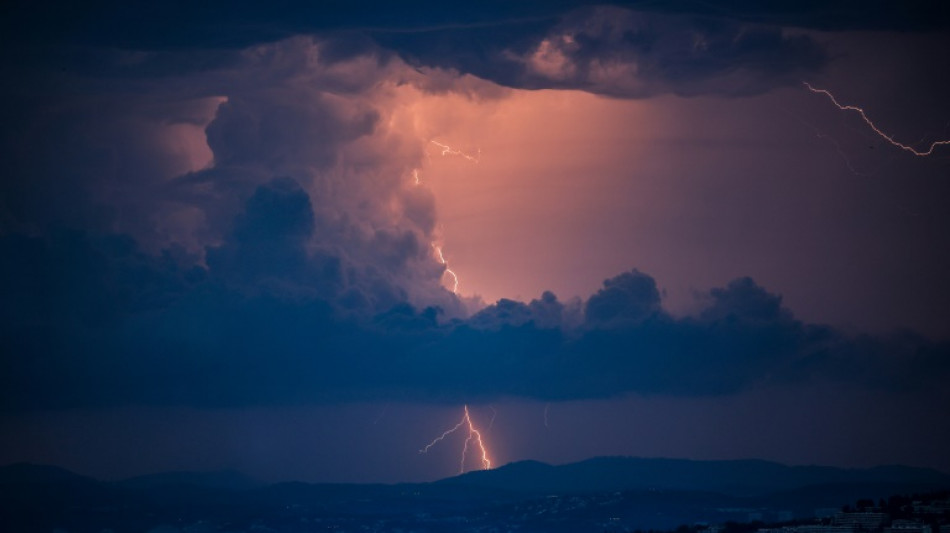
[{"x": 639, "y": 266}]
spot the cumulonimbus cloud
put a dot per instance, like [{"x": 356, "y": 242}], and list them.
[{"x": 285, "y": 257}]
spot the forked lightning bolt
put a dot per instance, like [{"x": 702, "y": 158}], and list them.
[
  {"x": 474, "y": 436},
  {"x": 876, "y": 130}
]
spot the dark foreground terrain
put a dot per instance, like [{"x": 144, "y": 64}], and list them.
[{"x": 604, "y": 494}]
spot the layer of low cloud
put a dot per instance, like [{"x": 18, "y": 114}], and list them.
[{"x": 91, "y": 320}]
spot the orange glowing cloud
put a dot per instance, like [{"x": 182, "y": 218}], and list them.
[{"x": 544, "y": 173}]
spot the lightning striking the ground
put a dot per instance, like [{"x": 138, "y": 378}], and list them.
[
  {"x": 873, "y": 127},
  {"x": 474, "y": 436}
]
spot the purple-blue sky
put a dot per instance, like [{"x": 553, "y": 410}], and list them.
[{"x": 221, "y": 233}]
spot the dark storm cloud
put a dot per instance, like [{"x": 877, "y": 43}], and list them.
[
  {"x": 91, "y": 320},
  {"x": 546, "y": 313},
  {"x": 628, "y": 343},
  {"x": 239, "y": 24},
  {"x": 269, "y": 243},
  {"x": 631, "y": 296},
  {"x": 624, "y": 53},
  {"x": 624, "y": 49}
]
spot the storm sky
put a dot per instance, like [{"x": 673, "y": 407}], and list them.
[{"x": 296, "y": 239}]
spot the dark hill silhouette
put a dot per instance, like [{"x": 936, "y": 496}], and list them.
[
  {"x": 737, "y": 478},
  {"x": 643, "y": 493},
  {"x": 218, "y": 479},
  {"x": 30, "y": 473}
]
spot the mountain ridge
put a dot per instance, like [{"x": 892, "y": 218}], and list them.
[
  {"x": 737, "y": 477},
  {"x": 659, "y": 494},
  {"x": 216, "y": 479},
  {"x": 741, "y": 477}
]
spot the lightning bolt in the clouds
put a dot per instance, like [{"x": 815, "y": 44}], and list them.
[
  {"x": 436, "y": 247},
  {"x": 455, "y": 278},
  {"x": 474, "y": 436},
  {"x": 381, "y": 414},
  {"x": 876, "y": 130},
  {"x": 831, "y": 140},
  {"x": 448, "y": 150}
]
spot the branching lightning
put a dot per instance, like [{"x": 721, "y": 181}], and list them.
[
  {"x": 873, "y": 127},
  {"x": 830, "y": 139},
  {"x": 474, "y": 436},
  {"x": 448, "y": 150}
]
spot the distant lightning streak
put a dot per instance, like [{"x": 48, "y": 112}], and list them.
[
  {"x": 876, "y": 130},
  {"x": 455, "y": 278},
  {"x": 830, "y": 139},
  {"x": 437, "y": 248},
  {"x": 448, "y": 150},
  {"x": 474, "y": 436},
  {"x": 381, "y": 414}
]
